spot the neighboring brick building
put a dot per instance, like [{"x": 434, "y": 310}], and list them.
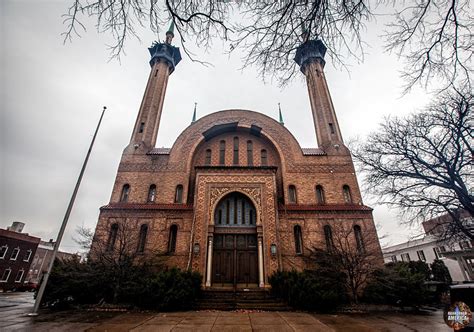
[
  {"x": 16, "y": 253},
  {"x": 236, "y": 197},
  {"x": 42, "y": 259}
]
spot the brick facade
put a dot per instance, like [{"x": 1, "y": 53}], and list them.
[
  {"x": 16, "y": 254},
  {"x": 206, "y": 173}
]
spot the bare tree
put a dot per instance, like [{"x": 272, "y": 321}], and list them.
[
  {"x": 436, "y": 39},
  {"x": 423, "y": 163},
  {"x": 355, "y": 255},
  {"x": 119, "y": 249}
]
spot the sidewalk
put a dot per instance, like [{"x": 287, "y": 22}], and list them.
[{"x": 14, "y": 308}]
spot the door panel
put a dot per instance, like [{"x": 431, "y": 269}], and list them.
[{"x": 235, "y": 259}]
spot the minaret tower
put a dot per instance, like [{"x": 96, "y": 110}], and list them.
[
  {"x": 310, "y": 58},
  {"x": 164, "y": 58}
]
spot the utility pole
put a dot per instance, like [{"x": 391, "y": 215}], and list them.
[{"x": 63, "y": 225}]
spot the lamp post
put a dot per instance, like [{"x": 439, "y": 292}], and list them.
[{"x": 63, "y": 225}]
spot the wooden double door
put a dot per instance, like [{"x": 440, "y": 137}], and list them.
[{"x": 235, "y": 260}]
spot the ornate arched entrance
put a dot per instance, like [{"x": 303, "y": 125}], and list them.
[{"x": 235, "y": 253}]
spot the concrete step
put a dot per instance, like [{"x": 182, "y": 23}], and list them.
[{"x": 232, "y": 300}]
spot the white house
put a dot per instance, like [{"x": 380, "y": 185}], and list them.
[{"x": 458, "y": 257}]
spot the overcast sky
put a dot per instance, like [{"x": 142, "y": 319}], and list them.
[{"x": 52, "y": 95}]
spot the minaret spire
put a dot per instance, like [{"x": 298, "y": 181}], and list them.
[
  {"x": 280, "y": 115},
  {"x": 164, "y": 58},
  {"x": 194, "y": 113},
  {"x": 170, "y": 33},
  {"x": 310, "y": 58}
]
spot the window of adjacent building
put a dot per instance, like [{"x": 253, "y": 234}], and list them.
[
  {"x": 292, "y": 194},
  {"x": 125, "y": 193},
  {"x": 19, "y": 275},
  {"x": 222, "y": 153},
  {"x": 6, "y": 275},
  {"x": 142, "y": 127},
  {"x": 263, "y": 157},
  {"x": 421, "y": 255},
  {"x": 394, "y": 258},
  {"x": 236, "y": 151},
  {"x": 208, "y": 157},
  {"x": 178, "y": 197},
  {"x": 15, "y": 253},
  {"x": 172, "y": 239},
  {"x": 249, "y": 153},
  {"x": 298, "y": 239},
  {"x": 320, "y": 194},
  {"x": 152, "y": 193},
  {"x": 142, "y": 238},
  {"x": 359, "y": 239},
  {"x": 405, "y": 257},
  {"x": 437, "y": 252},
  {"x": 27, "y": 255},
  {"x": 112, "y": 237},
  {"x": 347, "y": 194},
  {"x": 464, "y": 245},
  {"x": 328, "y": 237},
  {"x": 3, "y": 251}
]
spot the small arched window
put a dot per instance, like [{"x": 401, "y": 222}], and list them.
[
  {"x": 320, "y": 194},
  {"x": 236, "y": 151},
  {"x": 152, "y": 193},
  {"x": 328, "y": 238},
  {"x": 222, "y": 152},
  {"x": 249, "y": 153},
  {"x": 112, "y": 236},
  {"x": 178, "y": 197},
  {"x": 298, "y": 239},
  {"x": 208, "y": 157},
  {"x": 347, "y": 194},
  {"x": 359, "y": 239},
  {"x": 142, "y": 238},
  {"x": 263, "y": 157},
  {"x": 292, "y": 194},
  {"x": 125, "y": 193},
  {"x": 172, "y": 239}
]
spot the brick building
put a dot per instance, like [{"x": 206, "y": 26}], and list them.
[
  {"x": 42, "y": 259},
  {"x": 16, "y": 253},
  {"x": 236, "y": 197}
]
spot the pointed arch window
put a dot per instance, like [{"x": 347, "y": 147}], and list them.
[
  {"x": 320, "y": 194},
  {"x": 263, "y": 157},
  {"x": 142, "y": 238},
  {"x": 292, "y": 194},
  {"x": 347, "y": 194},
  {"x": 298, "y": 239},
  {"x": 328, "y": 237},
  {"x": 125, "y": 193},
  {"x": 236, "y": 151},
  {"x": 208, "y": 157},
  {"x": 112, "y": 236},
  {"x": 249, "y": 153},
  {"x": 222, "y": 153},
  {"x": 172, "y": 239},
  {"x": 152, "y": 193},
  {"x": 178, "y": 197},
  {"x": 359, "y": 239}
]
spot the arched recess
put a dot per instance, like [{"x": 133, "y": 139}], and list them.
[
  {"x": 235, "y": 257},
  {"x": 279, "y": 136},
  {"x": 223, "y": 194},
  {"x": 235, "y": 210}
]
